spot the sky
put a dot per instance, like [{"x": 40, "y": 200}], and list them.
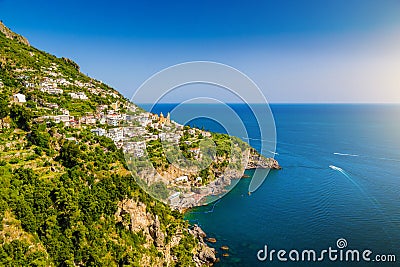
[{"x": 342, "y": 51}]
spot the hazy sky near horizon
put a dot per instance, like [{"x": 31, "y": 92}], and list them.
[{"x": 296, "y": 51}]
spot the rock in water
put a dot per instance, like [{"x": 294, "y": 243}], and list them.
[{"x": 211, "y": 240}]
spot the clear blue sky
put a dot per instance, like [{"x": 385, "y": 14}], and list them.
[{"x": 296, "y": 51}]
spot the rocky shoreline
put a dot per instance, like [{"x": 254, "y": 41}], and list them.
[
  {"x": 218, "y": 186},
  {"x": 204, "y": 255},
  {"x": 257, "y": 161}
]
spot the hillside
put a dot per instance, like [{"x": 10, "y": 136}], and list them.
[{"x": 70, "y": 147}]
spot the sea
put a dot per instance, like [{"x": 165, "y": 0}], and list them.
[{"x": 339, "y": 187}]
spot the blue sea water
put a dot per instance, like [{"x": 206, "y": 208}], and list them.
[{"x": 308, "y": 204}]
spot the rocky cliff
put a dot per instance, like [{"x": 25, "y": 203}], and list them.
[
  {"x": 12, "y": 35},
  {"x": 133, "y": 215}
]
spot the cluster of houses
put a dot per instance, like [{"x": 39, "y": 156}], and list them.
[
  {"x": 64, "y": 117},
  {"x": 53, "y": 80},
  {"x": 49, "y": 85},
  {"x": 122, "y": 135},
  {"x": 112, "y": 120},
  {"x": 128, "y": 131},
  {"x": 136, "y": 149}
]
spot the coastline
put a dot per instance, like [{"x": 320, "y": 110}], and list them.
[{"x": 218, "y": 187}]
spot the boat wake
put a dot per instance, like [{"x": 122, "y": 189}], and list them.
[
  {"x": 370, "y": 157},
  {"x": 348, "y": 176},
  {"x": 333, "y": 167},
  {"x": 345, "y": 154}
]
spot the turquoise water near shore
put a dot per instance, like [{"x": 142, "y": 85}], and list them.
[{"x": 307, "y": 204}]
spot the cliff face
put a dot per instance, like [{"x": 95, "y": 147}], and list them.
[
  {"x": 134, "y": 216},
  {"x": 12, "y": 35}
]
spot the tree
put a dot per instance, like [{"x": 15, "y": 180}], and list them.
[
  {"x": 38, "y": 137},
  {"x": 70, "y": 154},
  {"x": 4, "y": 109},
  {"x": 21, "y": 116}
]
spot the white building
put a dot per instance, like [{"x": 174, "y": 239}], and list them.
[
  {"x": 174, "y": 198},
  {"x": 206, "y": 134},
  {"x": 138, "y": 153},
  {"x": 51, "y": 90},
  {"x": 19, "y": 98},
  {"x": 116, "y": 134},
  {"x": 144, "y": 120},
  {"x": 78, "y": 95},
  {"x": 63, "y": 118},
  {"x": 162, "y": 136},
  {"x": 88, "y": 120},
  {"x": 54, "y": 91},
  {"x": 29, "y": 85},
  {"x": 99, "y": 131},
  {"x": 113, "y": 120},
  {"x": 52, "y": 105},
  {"x": 140, "y": 145},
  {"x": 64, "y": 111},
  {"x": 196, "y": 151},
  {"x": 182, "y": 179}
]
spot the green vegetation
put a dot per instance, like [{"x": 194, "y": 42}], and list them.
[
  {"x": 185, "y": 244},
  {"x": 39, "y": 136},
  {"x": 21, "y": 116},
  {"x": 206, "y": 157},
  {"x": 4, "y": 109},
  {"x": 156, "y": 154},
  {"x": 71, "y": 214}
]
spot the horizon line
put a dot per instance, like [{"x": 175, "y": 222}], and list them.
[{"x": 279, "y": 103}]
